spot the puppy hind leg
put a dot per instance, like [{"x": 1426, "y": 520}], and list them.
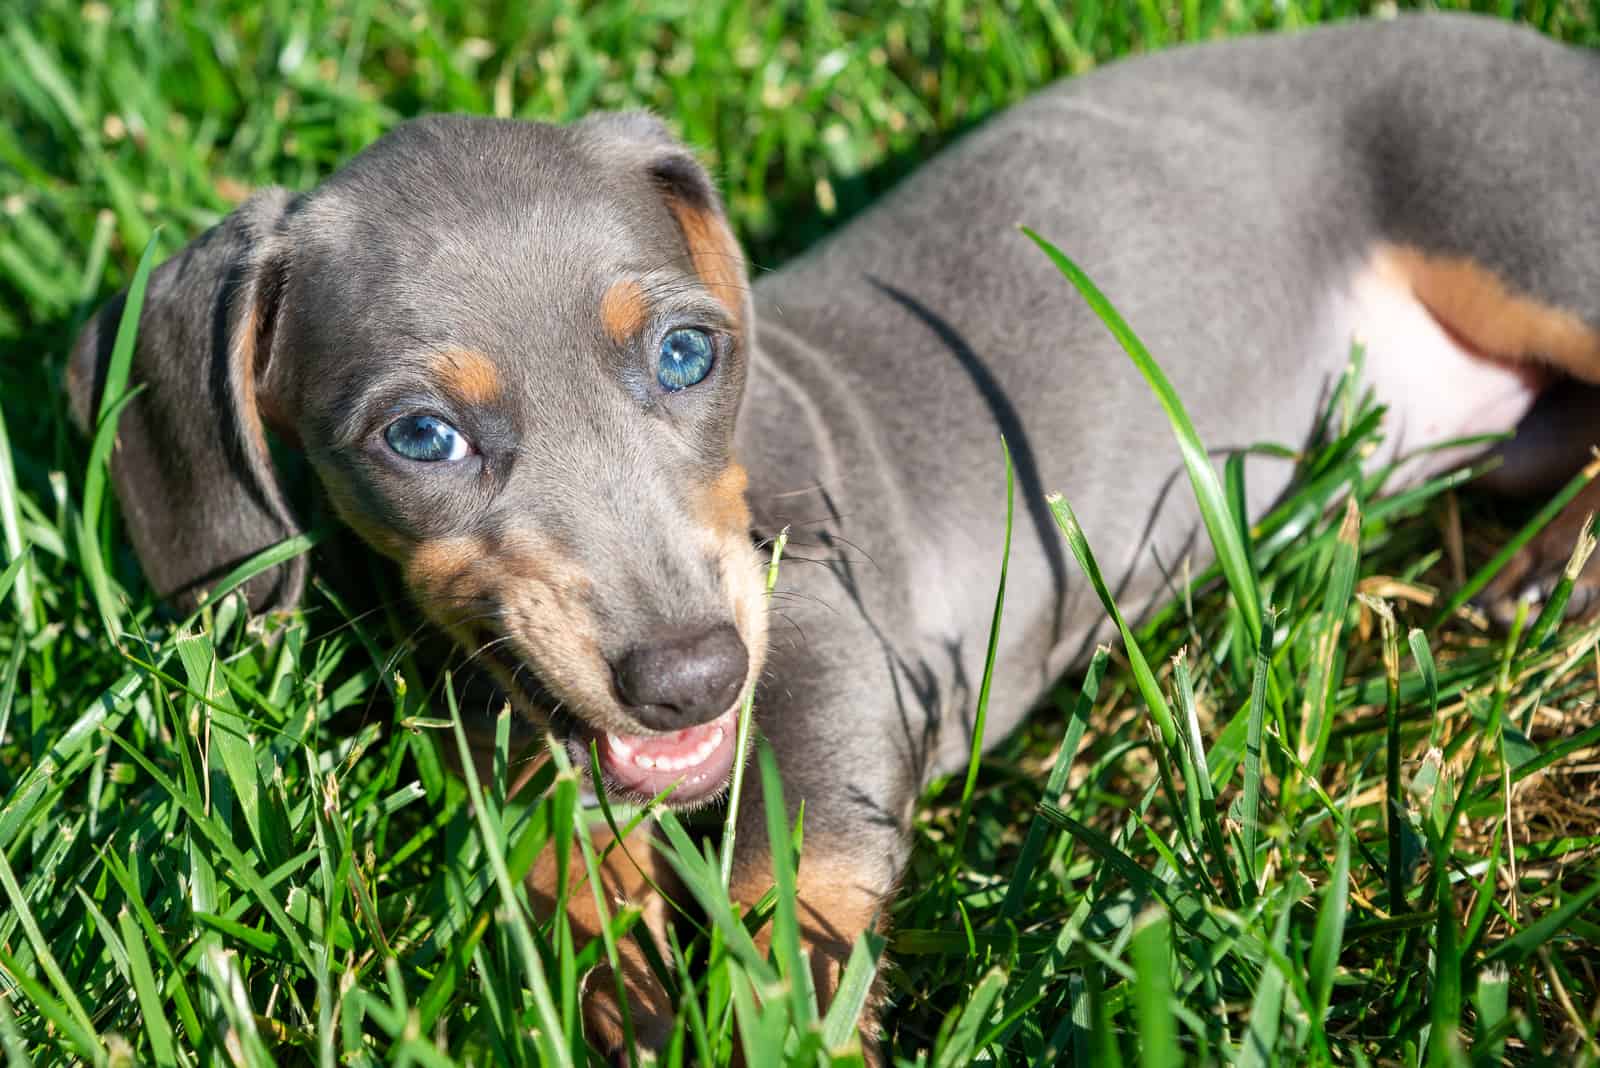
[{"x": 1553, "y": 443}]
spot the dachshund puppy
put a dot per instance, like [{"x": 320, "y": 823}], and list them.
[{"x": 525, "y": 365}]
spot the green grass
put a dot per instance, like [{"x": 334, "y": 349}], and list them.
[{"x": 1356, "y": 827}]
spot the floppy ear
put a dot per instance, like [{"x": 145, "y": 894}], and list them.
[{"x": 191, "y": 463}]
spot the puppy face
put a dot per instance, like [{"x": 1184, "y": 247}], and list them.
[{"x": 514, "y": 355}]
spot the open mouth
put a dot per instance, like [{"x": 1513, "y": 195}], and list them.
[{"x": 694, "y": 762}]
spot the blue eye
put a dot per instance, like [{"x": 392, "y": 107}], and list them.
[
  {"x": 424, "y": 438},
  {"x": 686, "y": 358}
]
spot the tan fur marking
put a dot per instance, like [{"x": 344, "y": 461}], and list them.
[
  {"x": 468, "y": 375},
  {"x": 623, "y": 310},
  {"x": 722, "y": 506},
  {"x": 715, "y": 254},
  {"x": 1482, "y": 310},
  {"x": 244, "y": 370},
  {"x": 440, "y": 572},
  {"x": 526, "y": 591}
]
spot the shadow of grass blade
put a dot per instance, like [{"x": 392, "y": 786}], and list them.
[{"x": 1222, "y": 526}]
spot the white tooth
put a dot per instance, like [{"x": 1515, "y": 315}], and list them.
[
  {"x": 666, "y": 764},
  {"x": 716, "y": 739},
  {"x": 644, "y": 762}
]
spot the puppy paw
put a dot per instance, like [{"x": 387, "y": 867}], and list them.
[
  {"x": 1531, "y": 576},
  {"x": 648, "y": 1011}
]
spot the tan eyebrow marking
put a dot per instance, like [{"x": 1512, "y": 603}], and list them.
[
  {"x": 623, "y": 309},
  {"x": 468, "y": 375}
]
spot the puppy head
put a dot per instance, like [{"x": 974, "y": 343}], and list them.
[{"x": 514, "y": 355}]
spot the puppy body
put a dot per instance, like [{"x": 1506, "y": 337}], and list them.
[{"x": 1252, "y": 207}]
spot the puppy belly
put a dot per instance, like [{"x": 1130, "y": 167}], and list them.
[{"x": 1437, "y": 388}]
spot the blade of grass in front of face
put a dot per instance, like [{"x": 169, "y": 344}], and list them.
[
  {"x": 1149, "y": 689},
  {"x": 1214, "y": 511},
  {"x": 548, "y": 1027},
  {"x": 761, "y": 1029},
  {"x": 855, "y": 984},
  {"x": 730, "y": 826},
  {"x": 113, "y": 399},
  {"x": 702, "y": 878},
  {"x": 981, "y": 713},
  {"x": 1033, "y": 844},
  {"x": 785, "y": 919},
  {"x": 591, "y": 864}
]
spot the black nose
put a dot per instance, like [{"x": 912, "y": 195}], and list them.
[{"x": 683, "y": 678}]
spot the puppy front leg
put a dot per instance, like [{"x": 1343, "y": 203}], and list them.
[
  {"x": 858, "y": 789},
  {"x": 840, "y": 896},
  {"x": 623, "y": 882}
]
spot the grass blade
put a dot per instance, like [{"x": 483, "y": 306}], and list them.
[
  {"x": 1151, "y": 948},
  {"x": 1033, "y": 844},
  {"x": 981, "y": 714},
  {"x": 1220, "y": 524},
  {"x": 730, "y": 826},
  {"x": 1329, "y": 935}
]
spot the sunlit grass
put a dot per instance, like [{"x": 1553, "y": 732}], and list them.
[{"x": 1311, "y": 813}]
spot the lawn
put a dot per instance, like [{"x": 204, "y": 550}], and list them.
[{"x": 1353, "y": 824}]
